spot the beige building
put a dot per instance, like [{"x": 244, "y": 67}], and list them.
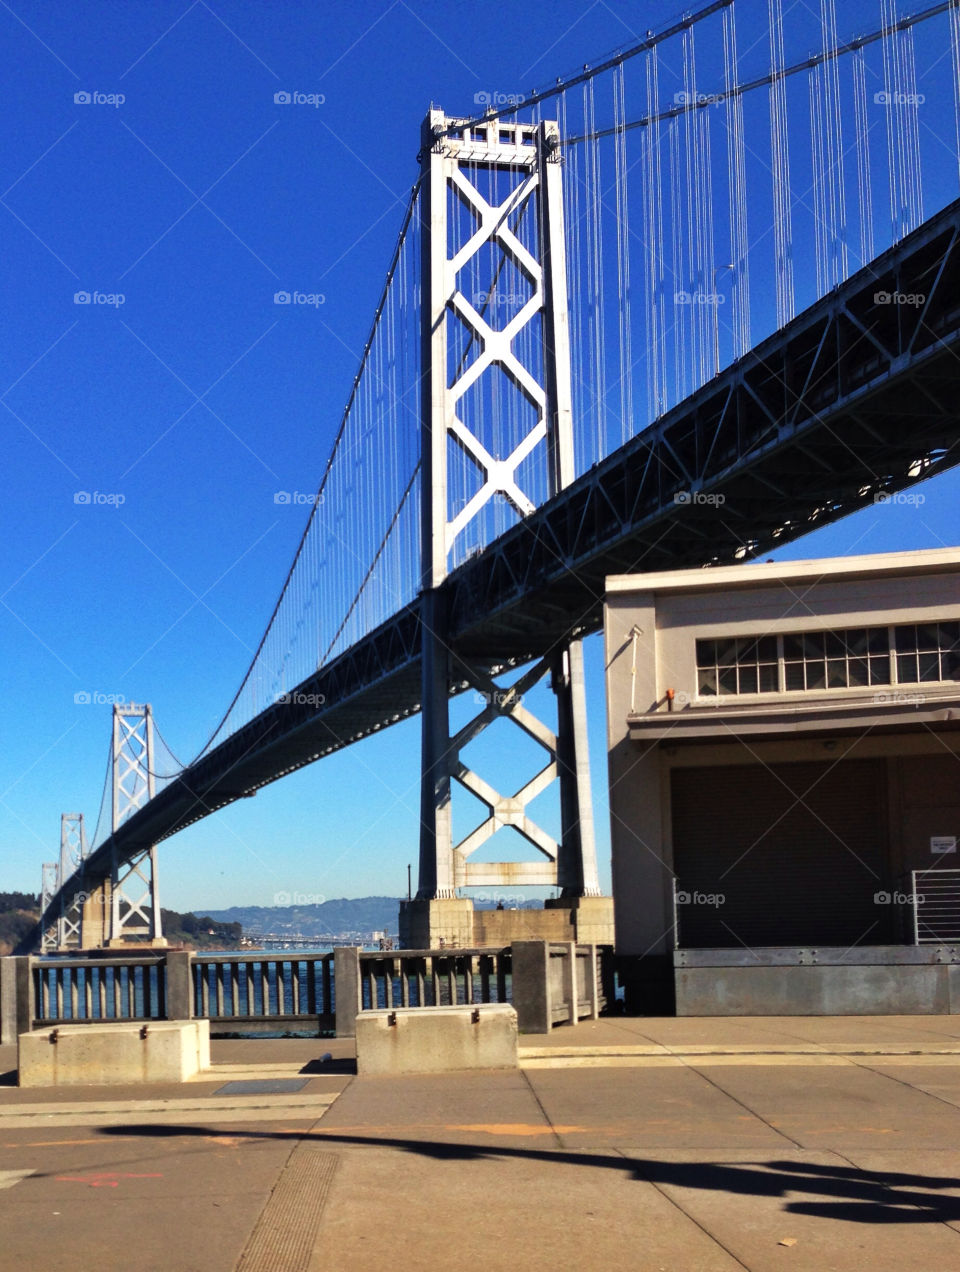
[{"x": 783, "y": 753}]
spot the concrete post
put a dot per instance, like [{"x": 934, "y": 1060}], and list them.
[
  {"x": 16, "y": 998},
  {"x": 346, "y": 989},
  {"x": 571, "y": 985},
  {"x": 593, "y": 982},
  {"x": 531, "y": 986},
  {"x": 178, "y": 997}
]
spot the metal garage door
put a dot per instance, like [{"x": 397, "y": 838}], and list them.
[{"x": 790, "y": 854}]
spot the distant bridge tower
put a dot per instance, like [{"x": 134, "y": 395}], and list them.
[
  {"x": 50, "y": 881},
  {"x": 462, "y": 233},
  {"x": 73, "y": 850}
]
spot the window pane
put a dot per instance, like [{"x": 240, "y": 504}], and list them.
[
  {"x": 928, "y": 636},
  {"x": 835, "y": 644},
  {"x": 706, "y": 653},
  {"x": 816, "y": 675},
  {"x": 748, "y": 679},
  {"x": 856, "y": 641},
  {"x": 813, "y": 644},
  {"x": 837, "y": 673},
  {"x": 907, "y": 668},
  {"x": 793, "y": 646},
  {"x": 857, "y": 671},
  {"x": 929, "y": 666},
  {"x": 880, "y": 669},
  {"x": 767, "y": 648},
  {"x": 768, "y": 678},
  {"x": 728, "y": 680},
  {"x": 793, "y": 675},
  {"x": 906, "y": 638},
  {"x": 708, "y": 683},
  {"x": 726, "y": 653},
  {"x": 878, "y": 639}
]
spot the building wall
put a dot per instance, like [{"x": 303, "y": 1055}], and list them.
[{"x": 651, "y": 626}]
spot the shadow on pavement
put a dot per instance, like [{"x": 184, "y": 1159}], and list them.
[{"x": 841, "y": 1192}]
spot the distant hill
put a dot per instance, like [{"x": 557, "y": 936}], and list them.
[
  {"x": 343, "y": 917},
  {"x": 332, "y": 918}
]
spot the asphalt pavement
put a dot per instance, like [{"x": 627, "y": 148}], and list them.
[{"x": 813, "y": 1143}]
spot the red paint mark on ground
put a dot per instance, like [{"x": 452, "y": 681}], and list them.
[{"x": 105, "y": 1179}]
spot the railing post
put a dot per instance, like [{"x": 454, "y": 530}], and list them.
[
  {"x": 346, "y": 989},
  {"x": 531, "y": 986},
  {"x": 16, "y": 998},
  {"x": 178, "y": 995},
  {"x": 571, "y": 985}
]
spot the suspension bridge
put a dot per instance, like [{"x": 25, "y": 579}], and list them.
[{"x": 676, "y": 309}]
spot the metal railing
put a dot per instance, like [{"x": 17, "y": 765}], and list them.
[
  {"x": 936, "y": 906},
  {"x": 281, "y": 988},
  {"x": 79, "y": 989},
  {"x": 433, "y": 978}
]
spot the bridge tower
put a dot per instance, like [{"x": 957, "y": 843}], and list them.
[
  {"x": 531, "y": 350},
  {"x": 127, "y": 904}
]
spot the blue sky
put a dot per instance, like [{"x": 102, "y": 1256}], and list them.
[{"x": 182, "y": 410}]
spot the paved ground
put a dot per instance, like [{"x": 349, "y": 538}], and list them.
[{"x": 820, "y": 1144}]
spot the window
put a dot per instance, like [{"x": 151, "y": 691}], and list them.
[
  {"x": 747, "y": 665},
  {"x": 854, "y": 658},
  {"x": 928, "y": 651},
  {"x": 836, "y": 660}
]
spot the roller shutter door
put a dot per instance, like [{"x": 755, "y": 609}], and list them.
[{"x": 795, "y": 851}]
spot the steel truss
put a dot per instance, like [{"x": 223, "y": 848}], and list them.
[
  {"x": 134, "y": 898},
  {"x": 539, "y": 380}
]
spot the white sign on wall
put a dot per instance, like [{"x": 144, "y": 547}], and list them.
[{"x": 943, "y": 843}]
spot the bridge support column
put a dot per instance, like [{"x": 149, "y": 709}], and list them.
[{"x": 491, "y": 200}]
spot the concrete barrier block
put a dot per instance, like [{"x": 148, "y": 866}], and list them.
[
  {"x": 436, "y": 1039},
  {"x": 114, "y": 1053}
]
